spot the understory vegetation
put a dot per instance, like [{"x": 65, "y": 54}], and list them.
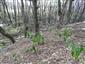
[
  {"x": 75, "y": 48},
  {"x": 42, "y": 31}
]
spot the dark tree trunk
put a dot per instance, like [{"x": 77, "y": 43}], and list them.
[
  {"x": 35, "y": 16},
  {"x": 24, "y": 19},
  {"x": 14, "y": 6},
  {"x": 2, "y": 31},
  {"x": 49, "y": 14},
  {"x": 59, "y": 15},
  {"x": 81, "y": 14},
  {"x": 5, "y": 5},
  {"x": 69, "y": 11}
]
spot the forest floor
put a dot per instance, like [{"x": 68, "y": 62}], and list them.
[{"x": 53, "y": 51}]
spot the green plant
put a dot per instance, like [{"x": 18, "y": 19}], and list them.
[
  {"x": 75, "y": 48},
  {"x": 36, "y": 40},
  {"x": 83, "y": 48},
  {"x": 66, "y": 33},
  {"x": 29, "y": 34}
]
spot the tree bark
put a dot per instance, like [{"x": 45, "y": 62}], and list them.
[
  {"x": 35, "y": 16},
  {"x": 2, "y": 31},
  {"x": 15, "y": 14},
  {"x": 24, "y": 19},
  {"x": 59, "y": 15},
  {"x": 81, "y": 14},
  {"x": 5, "y": 5},
  {"x": 69, "y": 11}
]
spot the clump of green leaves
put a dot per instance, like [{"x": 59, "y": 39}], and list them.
[
  {"x": 29, "y": 35},
  {"x": 36, "y": 39},
  {"x": 66, "y": 33},
  {"x": 75, "y": 48}
]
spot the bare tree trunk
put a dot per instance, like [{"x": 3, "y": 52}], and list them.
[
  {"x": 49, "y": 14},
  {"x": 35, "y": 16},
  {"x": 14, "y": 6},
  {"x": 24, "y": 19},
  {"x": 69, "y": 11},
  {"x": 80, "y": 16},
  {"x": 4, "y": 14},
  {"x": 4, "y": 4},
  {"x": 2, "y": 31},
  {"x": 59, "y": 15}
]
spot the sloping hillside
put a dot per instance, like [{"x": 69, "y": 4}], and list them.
[{"x": 53, "y": 51}]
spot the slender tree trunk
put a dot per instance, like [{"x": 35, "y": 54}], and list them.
[
  {"x": 80, "y": 16},
  {"x": 5, "y": 5},
  {"x": 35, "y": 16},
  {"x": 59, "y": 15},
  {"x": 49, "y": 14},
  {"x": 24, "y": 19},
  {"x": 2, "y": 31},
  {"x": 69, "y": 11},
  {"x": 4, "y": 14},
  {"x": 14, "y": 6}
]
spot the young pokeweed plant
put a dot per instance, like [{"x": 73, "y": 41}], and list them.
[
  {"x": 66, "y": 33},
  {"x": 36, "y": 40},
  {"x": 76, "y": 51}
]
